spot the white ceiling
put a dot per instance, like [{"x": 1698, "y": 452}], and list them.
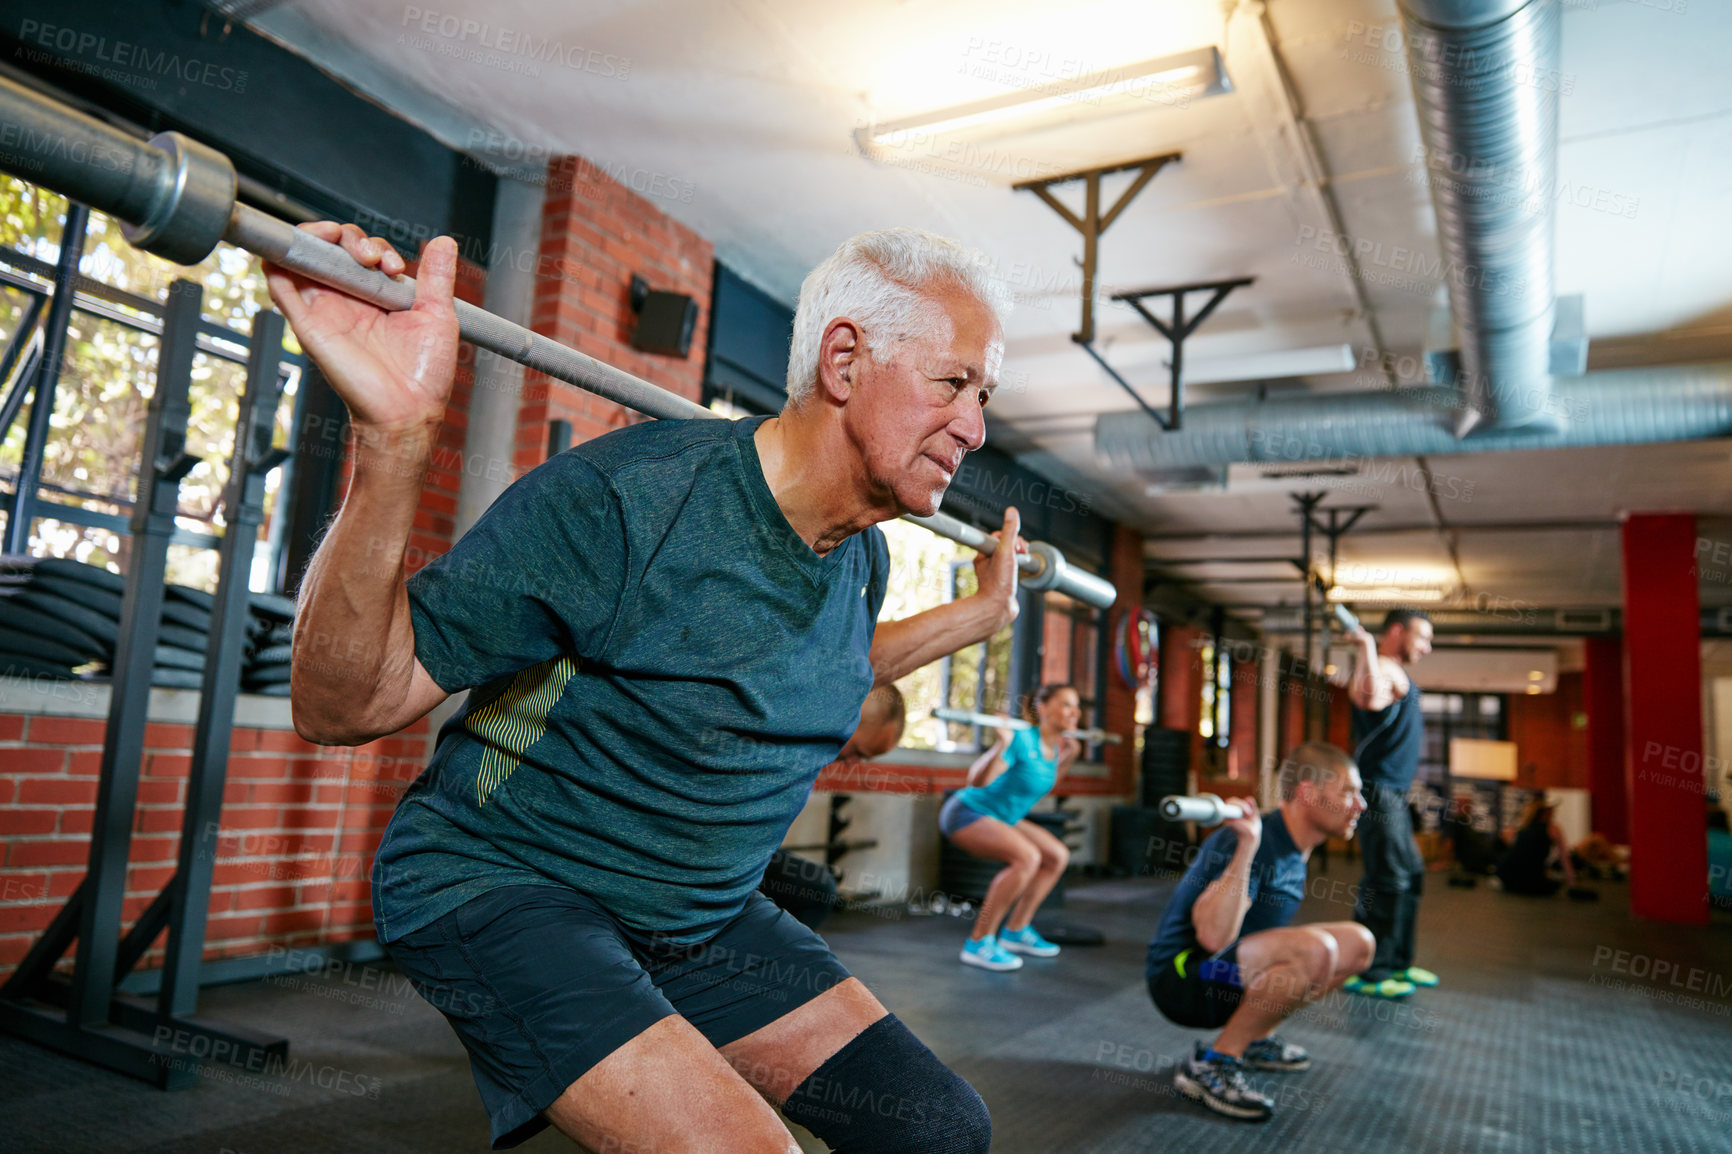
[{"x": 755, "y": 103}]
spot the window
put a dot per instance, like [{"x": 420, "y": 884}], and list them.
[
  {"x": 927, "y": 570},
  {"x": 1217, "y": 721},
  {"x": 1075, "y": 651},
  {"x": 88, "y": 478},
  {"x": 1449, "y": 715}
]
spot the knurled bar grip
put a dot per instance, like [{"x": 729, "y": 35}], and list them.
[{"x": 172, "y": 191}]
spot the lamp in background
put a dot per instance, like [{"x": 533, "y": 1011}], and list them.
[{"x": 1167, "y": 80}]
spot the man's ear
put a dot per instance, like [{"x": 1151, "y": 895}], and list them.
[{"x": 839, "y": 355}]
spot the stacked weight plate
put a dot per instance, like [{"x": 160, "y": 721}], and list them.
[
  {"x": 61, "y": 618},
  {"x": 266, "y": 669}
]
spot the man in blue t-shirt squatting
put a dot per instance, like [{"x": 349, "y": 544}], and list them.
[
  {"x": 666, "y": 633},
  {"x": 1225, "y": 957}
]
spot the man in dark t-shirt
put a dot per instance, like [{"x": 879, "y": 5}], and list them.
[
  {"x": 1224, "y": 955},
  {"x": 666, "y": 633},
  {"x": 1388, "y": 738}
]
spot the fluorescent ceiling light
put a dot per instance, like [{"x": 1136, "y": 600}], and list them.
[
  {"x": 1383, "y": 593},
  {"x": 1166, "y": 80}
]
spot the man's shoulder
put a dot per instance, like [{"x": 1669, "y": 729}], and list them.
[
  {"x": 1398, "y": 676},
  {"x": 652, "y": 441}
]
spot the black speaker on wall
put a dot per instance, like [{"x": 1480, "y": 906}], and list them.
[{"x": 665, "y": 321}]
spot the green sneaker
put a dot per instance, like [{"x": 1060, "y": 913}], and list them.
[
  {"x": 1390, "y": 988},
  {"x": 1418, "y": 976}
]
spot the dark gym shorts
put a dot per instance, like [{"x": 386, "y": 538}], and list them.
[
  {"x": 541, "y": 984},
  {"x": 1196, "y": 991}
]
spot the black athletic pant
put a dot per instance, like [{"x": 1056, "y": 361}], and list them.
[{"x": 1388, "y": 902}]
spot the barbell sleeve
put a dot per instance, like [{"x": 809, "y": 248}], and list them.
[
  {"x": 1204, "y": 809},
  {"x": 176, "y": 198}
]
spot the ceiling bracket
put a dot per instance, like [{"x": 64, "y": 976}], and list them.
[
  {"x": 1179, "y": 328},
  {"x": 1093, "y": 222}
]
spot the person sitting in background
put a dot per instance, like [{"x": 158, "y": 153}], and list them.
[
  {"x": 1523, "y": 868},
  {"x": 1475, "y": 852},
  {"x": 801, "y": 886},
  {"x": 1225, "y": 956},
  {"x": 1597, "y": 858},
  {"x": 989, "y": 819}
]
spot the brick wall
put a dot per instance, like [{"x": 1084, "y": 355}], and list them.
[
  {"x": 595, "y": 234},
  {"x": 1125, "y": 567},
  {"x": 298, "y": 828},
  {"x": 1179, "y": 693}
]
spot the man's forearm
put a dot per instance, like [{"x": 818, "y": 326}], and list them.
[
  {"x": 1368, "y": 689},
  {"x": 354, "y": 647},
  {"x": 901, "y": 647},
  {"x": 1220, "y": 909}
]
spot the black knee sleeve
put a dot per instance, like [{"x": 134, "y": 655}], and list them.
[{"x": 886, "y": 1093}]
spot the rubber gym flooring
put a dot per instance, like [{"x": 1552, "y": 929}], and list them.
[{"x": 1560, "y": 1027}]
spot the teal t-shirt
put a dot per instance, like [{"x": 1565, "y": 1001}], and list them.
[
  {"x": 660, "y": 667},
  {"x": 1028, "y": 775}
]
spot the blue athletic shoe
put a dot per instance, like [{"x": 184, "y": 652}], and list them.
[
  {"x": 1027, "y": 941},
  {"x": 1272, "y": 1053},
  {"x": 989, "y": 955}
]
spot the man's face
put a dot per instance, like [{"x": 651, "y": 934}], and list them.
[
  {"x": 1413, "y": 640},
  {"x": 1335, "y": 801},
  {"x": 915, "y": 408}
]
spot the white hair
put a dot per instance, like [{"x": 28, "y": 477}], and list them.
[{"x": 885, "y": 281}]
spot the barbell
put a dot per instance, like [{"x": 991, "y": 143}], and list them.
[
  {"x": 1204, "y": 809},
  {"x": 175, "y": 198}
]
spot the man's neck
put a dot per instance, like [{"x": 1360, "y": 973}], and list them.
[
  {"x": 1390, "y": 648},
  {"x": 815, "y": 475},
  {"x": 1306, "y": 834}
]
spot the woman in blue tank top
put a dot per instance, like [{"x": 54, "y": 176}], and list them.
[{"x": 989, "y": 820}]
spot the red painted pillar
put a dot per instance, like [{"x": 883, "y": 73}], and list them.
[
  {"x": 1603, "y": 701},
  {"x": 1663, "y": 719},
  {"x": 1179, "y": 693}
]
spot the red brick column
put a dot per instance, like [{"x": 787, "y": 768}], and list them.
[
  {"x": 1663, "y": 720},
  {"x": 1179, "y": 695},
  {"x": 1242, "y": 737},
  {"x": 1603, "y": 696},
  {"x": 1125, "y": 568},
  {"x": 595, "y": 234}
]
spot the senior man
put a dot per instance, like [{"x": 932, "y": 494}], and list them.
[{"x": 572, "y": 879}]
